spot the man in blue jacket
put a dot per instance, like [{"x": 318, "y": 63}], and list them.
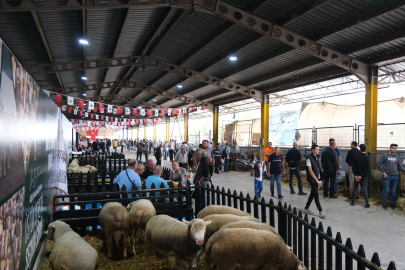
[{"x": 293, "y": 159}]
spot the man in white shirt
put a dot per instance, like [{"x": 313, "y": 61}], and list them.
[
  {"x": 182, "y": 157},
  {"x": 171, "y": 147}
]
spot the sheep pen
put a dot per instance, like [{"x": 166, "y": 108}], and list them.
[{"x": 139, "y": 261}]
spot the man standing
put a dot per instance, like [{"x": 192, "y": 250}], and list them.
[
  {"x": 204, "y": 147},
  {"x": 293, "y": 159},
  {"x": 330, "y": 165},
  {"x": 95, "y": 146},
  {"x": 389, "y": 165},
  {"x": 267, "y": 152},
  {"x": 158, "y": 155},
  {"x": 349, "y": 160},
  {"x": 171, "y": 147},
  {"x": 340, "y": 165},
  {"x": 115, "y": 145},
  {"x": 178, "y": 173},
  {"x": 108, "y": 146},
  {"x": 165, "y": 150},
  {"x": 182, "y": 158},
  {"x": 146, "y": 149},
  {"x": 225, "y": 155},
  {"x": 129, "y": 178},
  {"x": 361, "y": 166},
  {"x": 276, "y": 164},
  {"x": 217, "y": 156},
  {"x": 101, "y": 144},
  {"x": 139, "y": 150},
  {"x": 314, "y": 178}
]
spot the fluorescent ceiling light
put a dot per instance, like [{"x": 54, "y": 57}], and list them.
[
  {"x": 179, "y": 86},
  {"x": 84, "y": 78},
  {"x": 83, "y": 41},
  {"x": 233, "y": 58}
]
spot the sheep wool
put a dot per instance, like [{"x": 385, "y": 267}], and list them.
[
  {"x": 70, "y": 251},
  {"x": 114, "y": 220},
  {"x": 171, "y": 237},
  {"x": 249, "y": 249},
  {"x": 221, "y": 209},
  {"x": 141, "y": 211},
  {"x": 251, "y": 225}
]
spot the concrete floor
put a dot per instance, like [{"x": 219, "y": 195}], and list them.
[{"x": 378, "y": 230}]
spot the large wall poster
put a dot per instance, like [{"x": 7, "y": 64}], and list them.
[{"x": 28, "y": 150}]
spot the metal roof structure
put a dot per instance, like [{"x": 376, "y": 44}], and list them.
[{"x": 141, "y": 51}]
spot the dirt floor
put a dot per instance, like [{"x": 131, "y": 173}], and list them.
[{"x": 139, "y": 261}]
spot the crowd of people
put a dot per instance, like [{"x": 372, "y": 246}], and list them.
[{"x": 324, "y": 170}]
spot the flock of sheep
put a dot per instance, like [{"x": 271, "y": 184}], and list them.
[
  {"x": 75, "y": 168},
  {"x": 229, "y": 237}
]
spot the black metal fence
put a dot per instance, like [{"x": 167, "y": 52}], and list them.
[{"x": 316, "y": 248}]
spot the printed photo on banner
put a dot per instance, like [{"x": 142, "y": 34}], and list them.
[
  {"x": 70, "y": 101},
  {"x": 115, "y": 111},
  {"x": 110, "y": 109},
  {"x": 91, "y": 105},
  {"x": 11, "y": 227},
  {"x": 127, "y": 111}
]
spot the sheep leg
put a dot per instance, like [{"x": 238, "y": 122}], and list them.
[
  {"x": 109, "y": 237},
  {"x": 133, "y": 240},
  {"x": 125, "y": 244},
  {"x": 148, "y": 243},
  {"x": 179, "y": 264}
]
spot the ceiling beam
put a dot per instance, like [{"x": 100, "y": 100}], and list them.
[
  {"x": 219, "y": 32},
  {"x": 387, "y": 58},
  {"x": 28, "y": 5},
  {"x": 45, "y": 41},
  {"x": 288, "y": 84},
  {"x": 285, "y": 36}
]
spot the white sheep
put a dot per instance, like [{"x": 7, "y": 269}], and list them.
[
  {"x": 141, "y": 211},
  {"x": 220, "y": 209},
  {"x": 251, "y": 225},
  {"x": 114, "y": 220},
  {"x": 92, "y": 169},
  {"x": 70, "y": 251},
  {"x": 249, "y": 249},
  {"x": 171, "y": 237}
]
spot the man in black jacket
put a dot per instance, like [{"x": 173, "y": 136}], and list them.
[
  {"x": 293, "y": 159},
  {"x": 349, "y": 160},
  {"x": 158, "y": 155},
  {"x": 361, "y": 166},
  {"x": 330, "y": 165},
  {"x": 314, "y": 173}
]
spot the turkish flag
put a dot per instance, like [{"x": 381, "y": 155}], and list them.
[
  {"x": 101, "y": 107},
  {"x": 102, "y": 117},
  {"x": 176, "y": 111},
  {"x": 91, "y": 115},
  {"x": 81, "y": 113},
  {"x": 81, "y": 103},
  {"x": 134, "y": 111},
  {"x": 59, "y": 98},
  {"x": 149, "y": 112},
  {"x": 70, "y": 109},
  {"x": 145, "y": 121},
  {"x": 93, "y": 133},
  {"x": 112, "y": 119},
  {"x": 162, "y": 112},
  {"x": 119, "y": 110},
  {"x": 95, "y": 109},
  {"x": 191, "y": 109}
]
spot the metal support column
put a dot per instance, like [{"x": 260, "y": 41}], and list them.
[
  {"x": 265, "y": 120},
  {"x": 215, "y": 127},
  {"x": 167, "y": 129},
  {"x": 154, "y": 130},
  {"x": 144, "y": 131},
  {"x": 137, "y": 132},
  {"x": 186, "y": 127},
  {"x": 371, "y": 103}
]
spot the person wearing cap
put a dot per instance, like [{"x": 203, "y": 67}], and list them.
[
  {"x": 217, "y": 156},
  {"x": 182, "y": 157},
  {"x": 389, "y": 165}
]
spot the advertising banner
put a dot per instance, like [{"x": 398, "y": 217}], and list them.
[{"x": 28, "y": 152}]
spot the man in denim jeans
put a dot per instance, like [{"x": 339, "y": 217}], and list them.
[
  {"x": 389, "y": 165},
  {"x": 276, "y": 164},
  {"x": 293, "y": 159}
]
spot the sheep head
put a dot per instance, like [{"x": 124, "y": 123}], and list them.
[{"x": 197, "y": 229}]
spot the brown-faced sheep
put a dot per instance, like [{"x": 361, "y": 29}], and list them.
[
  {"x": 220, "y": 209},
  {"x": 141, "y": 211},
  {"x": 70, "y": 251},
  {"x": 114, "y": 220},
  {"x": 171, "y": 237},
  {"x": 249, "y": 249}
]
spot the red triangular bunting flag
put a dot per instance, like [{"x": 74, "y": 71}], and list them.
[
  {"x": 95, "y": 109},
  {"x": 145, "y": 121},
  {"x": 102, "y": 117},
  {"x": 91, "y": 115},
  {"x": 134, "y": 111},
  {"x": 70, "y": 109},
  {"x": 81, "y": 113},
  {"x": 162, "y": 112}
]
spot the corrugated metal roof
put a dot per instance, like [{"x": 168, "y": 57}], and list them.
[
  {"x": 206, "y": 90},
  {"x": 191, "y": 30},
  {"x": 18, "y": 30},
  {"x": 146, "y": 75},
  {"x": 275, "y": 10}
]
